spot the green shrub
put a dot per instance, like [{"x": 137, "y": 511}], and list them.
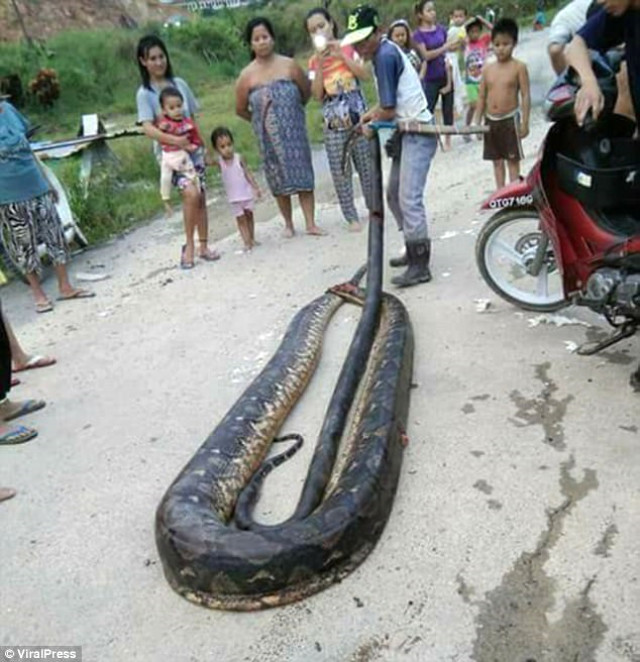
[
  {"x": 216, "y": 41},
  {"x": 119, "y": 195}
]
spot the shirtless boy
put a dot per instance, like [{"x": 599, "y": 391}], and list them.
[{"x": 503, "y": 83}]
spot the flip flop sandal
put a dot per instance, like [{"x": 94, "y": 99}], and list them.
[
  {"x": 44, "y": 307},
  {"x": 26, "y": 407},
  {"x": 16, "y": 435},
  {"x": 183, "y": 263},
  {"x": 6, "y": 493},
  {"x": 78, "y": 294},
  {"x": 36, "y": 361},
  {"x": 210, "y": 256}
]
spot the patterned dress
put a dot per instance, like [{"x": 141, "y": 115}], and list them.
[
  {"x": 278, "y": 120},
  {"x": 29, "y": 223}
]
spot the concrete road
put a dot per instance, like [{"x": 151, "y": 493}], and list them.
[{"x": 514, "y": 533}]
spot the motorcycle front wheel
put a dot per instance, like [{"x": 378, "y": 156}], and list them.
[{"x": 506, "y": 248}]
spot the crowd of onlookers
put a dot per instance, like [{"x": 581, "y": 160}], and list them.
[
  {"x": 467, "y": 70},
  {"x": 271, "y": 94}
]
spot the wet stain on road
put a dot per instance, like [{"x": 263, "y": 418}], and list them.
[
  {"x": 512, "y": 620},
  {"x": 621, "y": 357},
  {"x": 469, "y": 408},
  {"x": 618, "y": 357},
  {"x": 483, "y": 486},
  {"x": 544, "y": 409},
  {"x": 607, "y": 541},
  {"x": 369, "y": 651},
  {"x": 596, "y": 334},
  {"x": 465, "y": 591}
]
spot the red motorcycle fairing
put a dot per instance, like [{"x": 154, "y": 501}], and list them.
[
  {"x": 515, "y": 194},
  {"x": 582, "y": 244}
]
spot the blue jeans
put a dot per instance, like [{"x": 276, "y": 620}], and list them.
[{"x": 407, "y": 181}]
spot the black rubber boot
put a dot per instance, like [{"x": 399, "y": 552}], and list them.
[
  {"x": 418, "y": 254},
  {"x": 401, "y": 260}
]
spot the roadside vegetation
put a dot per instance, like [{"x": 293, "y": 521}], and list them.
[{"x": 97, "y": 72}]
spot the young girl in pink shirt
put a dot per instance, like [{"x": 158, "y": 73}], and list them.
[{"x": 239, "y": 184}]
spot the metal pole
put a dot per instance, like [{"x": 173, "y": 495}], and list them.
[{"x": 73, "y": 142}]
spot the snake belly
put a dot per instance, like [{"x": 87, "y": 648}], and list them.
[{"x": 207, "y": 559}]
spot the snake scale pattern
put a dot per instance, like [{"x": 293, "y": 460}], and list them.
[{"x": 222, "y": 559}]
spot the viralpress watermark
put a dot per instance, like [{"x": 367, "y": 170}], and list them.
[{"x": 41, "y": 653}]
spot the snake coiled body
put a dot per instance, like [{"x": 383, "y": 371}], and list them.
[{"x": 212, "y": 560}]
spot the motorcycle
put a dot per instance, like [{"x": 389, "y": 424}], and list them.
[{"x": 569, "y": 233}]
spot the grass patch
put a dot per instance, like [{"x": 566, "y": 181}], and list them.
[{"x": 120, "y": 195}]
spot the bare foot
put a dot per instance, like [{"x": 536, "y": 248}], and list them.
[
  {"x": 186, "y": 257},
  {"x": 32, "y": 361},
  {"x": 289, "y": 233},
  {"x": 316, "y": 231},
  {"x": 355, "y": 226},
  {"x": 67, "y": 294},
  {"x": 44, "y": 306},
  {"x": 10, "y": 410}
]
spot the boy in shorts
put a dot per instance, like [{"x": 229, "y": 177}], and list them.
[{"x": 504, "y": 82}]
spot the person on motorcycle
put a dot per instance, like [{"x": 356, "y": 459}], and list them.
[
  {"x": 617, "y": 24},
  {"x": 564, "y": 26}
]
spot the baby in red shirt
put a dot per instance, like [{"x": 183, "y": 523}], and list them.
[{"x": 176, "y": 160}]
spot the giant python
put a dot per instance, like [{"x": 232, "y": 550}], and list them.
[{"x": 212, "y": 551}]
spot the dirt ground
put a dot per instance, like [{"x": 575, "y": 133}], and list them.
[{"x": 514, "y": 532}]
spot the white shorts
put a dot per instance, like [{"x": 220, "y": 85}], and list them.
[{"x": 238, "y": 208}]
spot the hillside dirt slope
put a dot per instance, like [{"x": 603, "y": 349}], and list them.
[{"x": 43, "y": 18}]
